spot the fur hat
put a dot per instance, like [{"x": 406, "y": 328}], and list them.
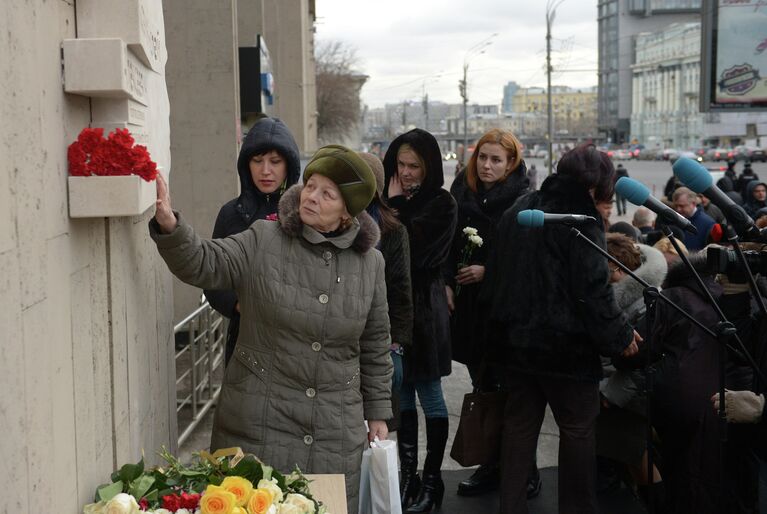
[
  {"x": 376, "y": 166},
  {"x": 350, "y": 173}
]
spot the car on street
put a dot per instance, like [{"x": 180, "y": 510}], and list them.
[
  {"x": 749, "y": 153},
  {"x": 719, "y": 154}
]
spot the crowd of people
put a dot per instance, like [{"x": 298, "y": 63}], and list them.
[{"x": 351, "y": 292}]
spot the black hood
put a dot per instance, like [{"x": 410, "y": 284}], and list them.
[
  {"x": 427, "y": 148},
  {"x": 267, "y": 134}
]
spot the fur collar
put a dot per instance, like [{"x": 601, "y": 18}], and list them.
[
  {"x": 652, "y": 270},
  {"x": 361, "y": 236}
]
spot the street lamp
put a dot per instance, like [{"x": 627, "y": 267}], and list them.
[
  {"x": 551, "y": 11},
  {"x": 475, "y": 50}
]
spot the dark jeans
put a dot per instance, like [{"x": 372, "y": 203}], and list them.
[
  {"x": 620, "y": 203},
  {"x": 575, "y": 406}
]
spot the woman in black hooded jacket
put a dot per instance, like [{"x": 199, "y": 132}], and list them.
[
  {"x": 413, "y": 167},
  {"x": 268, "y": 165}
]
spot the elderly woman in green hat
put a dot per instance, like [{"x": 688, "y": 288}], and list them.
[{"x": 312, "y": 359}]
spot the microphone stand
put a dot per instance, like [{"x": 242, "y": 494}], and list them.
[{"x": 651, "y": 295}]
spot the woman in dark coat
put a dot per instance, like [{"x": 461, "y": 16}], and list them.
[
  {"x": 493, "y": 180},
  {"x": 395, "y": 248},
  {"x": 268, "y": 165},
  {"x": 551, "y": 314},
  {"x": 413, "y": 166}
]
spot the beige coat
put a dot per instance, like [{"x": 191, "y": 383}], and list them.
[{"x": 312, "y": 359}]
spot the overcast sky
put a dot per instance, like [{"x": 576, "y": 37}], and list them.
[{"x": 406, "y": 45}]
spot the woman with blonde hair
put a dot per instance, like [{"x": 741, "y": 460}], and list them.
[
  {"x": 414, "y": 179},
  {"x": 494, "y": 178}
]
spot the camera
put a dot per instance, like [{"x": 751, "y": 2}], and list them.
[{"x": 725, "y": 261}]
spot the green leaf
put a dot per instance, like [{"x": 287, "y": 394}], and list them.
[
  {"x": 108, "y": 492},
  {"x": 130, "y": 472},
  {"x": 267, "y": 472},
  {"x": 248, "y": 468},
  {"x": 139, "y": 487}
]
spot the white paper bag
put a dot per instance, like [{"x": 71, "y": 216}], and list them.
[{"x": 379, "y": 480}]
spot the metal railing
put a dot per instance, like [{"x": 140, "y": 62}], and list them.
[{"x": 198, "y": 380}]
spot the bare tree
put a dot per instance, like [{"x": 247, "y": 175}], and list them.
[{"x": 338, "y": 90}]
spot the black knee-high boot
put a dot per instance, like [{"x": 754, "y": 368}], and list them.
[
  {"x": 432, "y": 488},
  {"x": 407, "y": 442}
]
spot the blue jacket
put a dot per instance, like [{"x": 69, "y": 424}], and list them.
[{"x": 703, "y": 222}]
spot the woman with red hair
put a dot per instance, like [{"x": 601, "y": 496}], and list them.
[{"x": 493, "y": 180}]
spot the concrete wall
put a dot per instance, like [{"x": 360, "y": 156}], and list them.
[
  {"x": 86, "y": 362},
  {"x": 203, "y": 85},
  {"x": 289, "y": 35}
]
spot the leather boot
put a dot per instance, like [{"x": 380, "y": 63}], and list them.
[
  {"x": 407, "y": 443},
  {"x": 432, "y": 488},
  {"x": 486, "y": 478}
]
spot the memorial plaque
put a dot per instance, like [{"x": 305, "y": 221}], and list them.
[
  {"x": 140, "y": 134},
  {"x": 103, "y": 68},
  {"x": 126, "y": 19},
  {"x": 118, "y": 110}
]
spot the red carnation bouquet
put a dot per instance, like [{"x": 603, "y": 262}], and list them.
[{"x": 92, "y": 154}]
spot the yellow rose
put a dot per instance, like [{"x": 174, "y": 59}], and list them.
[
  {"x": 260, "y": 501},
  {"x": 239, "y": 510},
  {"x": 217, "y": 500},
  {"x": 240, "y": 487},
  {"x": 305, "y": 505},
  {"x": 272, "y": 487}
]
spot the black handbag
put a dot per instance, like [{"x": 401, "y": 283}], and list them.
[{"x": 478, "y": 438}]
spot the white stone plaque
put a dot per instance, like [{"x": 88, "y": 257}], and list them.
[
  {"x": 126, "y": 19},
  {"x": 103, "y": 68},
  {"x": 118, "y": 110},
  {"x": 140, "y": 134}
]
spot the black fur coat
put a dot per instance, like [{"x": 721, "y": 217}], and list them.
[{"x": 551, "y": 309}]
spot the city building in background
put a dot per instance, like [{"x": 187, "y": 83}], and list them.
[
  {"x": 620, "y": 21},
  {"x": 665, "y": 88},
  {"x": 574, "y": 109},
  {"x": 508, "y": 93}
]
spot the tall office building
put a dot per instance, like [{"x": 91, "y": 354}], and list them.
[
  {"x": 508, "y": 93},
  {"x": 619, "y": 23}
]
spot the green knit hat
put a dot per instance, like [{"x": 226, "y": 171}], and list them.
[{"x": 350, "y": 173}]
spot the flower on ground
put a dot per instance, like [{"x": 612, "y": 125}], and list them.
[
  {"x": 217, "y": 500},
  {"x": 171, "y": 502},
  {"x": 190, "y": 501},
  {"x": 240, "y": 487}
]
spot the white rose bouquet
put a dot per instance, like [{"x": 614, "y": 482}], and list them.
[{"x": 473, "y": 241}]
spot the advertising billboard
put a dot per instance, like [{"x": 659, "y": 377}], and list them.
[{"x": 734, "y": 51}]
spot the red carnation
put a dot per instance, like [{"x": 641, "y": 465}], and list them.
[
  {"x": 122, "y": 138},
  {"x": 90, "y": 138},
  {"x": 272, "y": 217},
  {"x": 91, "y": 154},
  {"x": 190, "y": 501},
  {"x": 143, "y": 504},
  {"x": 77, "y": 158},
  {"x": 171, "y": 502}
]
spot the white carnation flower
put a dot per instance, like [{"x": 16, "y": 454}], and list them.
[
  {"x": 122, "y": 504},
  {"x": 300, "y": 501},
  {"x": 476, "y": 240},
  {"x": 470, "y": 231}
]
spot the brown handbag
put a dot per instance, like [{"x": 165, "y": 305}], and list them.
[{"x": 478, "y": 438}]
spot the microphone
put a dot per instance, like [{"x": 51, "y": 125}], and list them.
[
  {"x": 698, "y": 179},
  {"x": 536, "y": 218},
  {"x": 638, "y": 194}
]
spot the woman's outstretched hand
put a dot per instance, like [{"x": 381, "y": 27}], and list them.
[{"x": 164, "y": 213}]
